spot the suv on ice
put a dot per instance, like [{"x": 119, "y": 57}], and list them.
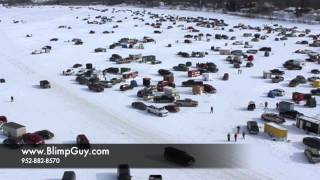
[{"x": 161, "y": 112}]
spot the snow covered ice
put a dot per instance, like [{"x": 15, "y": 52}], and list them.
[{"x": 69, "y": 109}]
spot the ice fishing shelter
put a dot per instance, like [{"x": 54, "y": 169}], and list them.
[
  {"x": 275, "y": 130},
  {"x": 308, "y": 124},
  {"x": 197, "y": 89},
  {"x": 207, "y": 76},
  {"x": 12, "y": 129},
  {"x": 224, "y": 52},
  {"x": 267, "y": 75},
  {"x": 285, "y": 106},
  {"x": 316, "y": 84}
]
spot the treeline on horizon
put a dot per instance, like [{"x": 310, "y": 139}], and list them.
[{"x": 230, "y": 5}]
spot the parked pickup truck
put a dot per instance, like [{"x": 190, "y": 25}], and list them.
[
  {"x": 163, "y": 99},
  {"x": 161, "y": 112},
  {"x": 313, "y": 155},
  {"x": 186, "y": 103},
  {"x": 271, "y": 117}
]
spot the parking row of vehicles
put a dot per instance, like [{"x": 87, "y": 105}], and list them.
[
  {"x": 34, "y": 139},
  {"x": 163, "y": 111}
]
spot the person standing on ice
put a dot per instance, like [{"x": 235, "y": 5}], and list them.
[
  {"x": 235, "y": 137},
  {"x": 244, "y": 135},
  {"x": 265, "y": 105},
  {"x": 11, "y": 98},
  {"x": 238, "y": 129},
  {"x": 211, "y": 110},
  {"x": 277, "y": 106},
  {"x": 228, "y": 136}
]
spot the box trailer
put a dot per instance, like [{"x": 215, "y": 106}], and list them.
[
  {"x": 275, "y": 130},
  {"x": 285, "y": 106},
  {"x": 12, "y": 129},
  {"x": 308, "y": 124}
]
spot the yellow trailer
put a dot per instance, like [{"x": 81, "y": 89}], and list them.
[
  {"x": 316, "y": 84},
  {"x": 275, "y": 130}
]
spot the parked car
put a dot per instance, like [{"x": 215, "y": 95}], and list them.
[
  {"x": 163, "y": 99},
  {"x": 139, "y": 105},
  {"x": 82, "y": 80},
  {"x": 313, "y": 155},
  {"x": 277, "y": 79},
  {"x": 161, "y": 112},
  {"x": 13, "y": 143},
  {"x": 252, "y": 127},
  {"x": 301, "y": 79},
  {"x": 315, "y": 71},
  {"x": 32, "y": 139},
  {"x": 271, "y": 117},
  {"x": 186, "y": 103},
  {"x": 95, "y": 87},
  {"x": 179, "y": 157},
  {"x": 315, "y": 92},
  {"x": 82, "y": 141},
  {"x": 293, "y": 83},
  {"x": 191, "y": 82},
  {"x": 68, "y": 72},
  {"x": 69, "y": 175},
  {"x": 209, "y": 89},
  {"x": 124, "y": 172},
  {"x": 312, "y": 142},
  {"x": 278, "y": 92},
  {"x": 172, "y": 108},
  {"x": 181, "y": 67},
  {"x": 251, "y": 106},
  {"x": 155, "y": 177},
  {"x": 45, "y": 84},
  {"x": 313, "y": 78},
  {"x": 277, "y": 72},
  {"x": 125, "y": 87},
  {"x": 45, "y": 134},
  {"x": 163, "y": 72},
  {"x": 105, "y": 84},
  {"x": 3, "y": 119},
  {"x": 293, "y": 114}
]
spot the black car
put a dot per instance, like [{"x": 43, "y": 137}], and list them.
[
  {"x": 124, "y": 172},
  {"x": 312, "y": 142},
  {"x": 139, "y": 105},
  {"x": 45, "y": 134},
  {"x": 315, "y": 71},
  {"x": 293, "y": 114},
  {"x": 163, "y": 99},
  {"x": 191, "y": 82},
  {"x": 179, "y": 157},
  {"x": 315, "y": 92},
  {"x": 276, "y": 72},
  {"x": 301, "y": 79},
  {"x": 69, "y": 175},
  {"x": 155, "y": 177},
  {"x": 96, "y": 87},
  {"x": 294, "y": 83},
  {"x": 13, "y": 143},
  {"x": 252, "y": 127},
  {"x": 163, "y": 72}
]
